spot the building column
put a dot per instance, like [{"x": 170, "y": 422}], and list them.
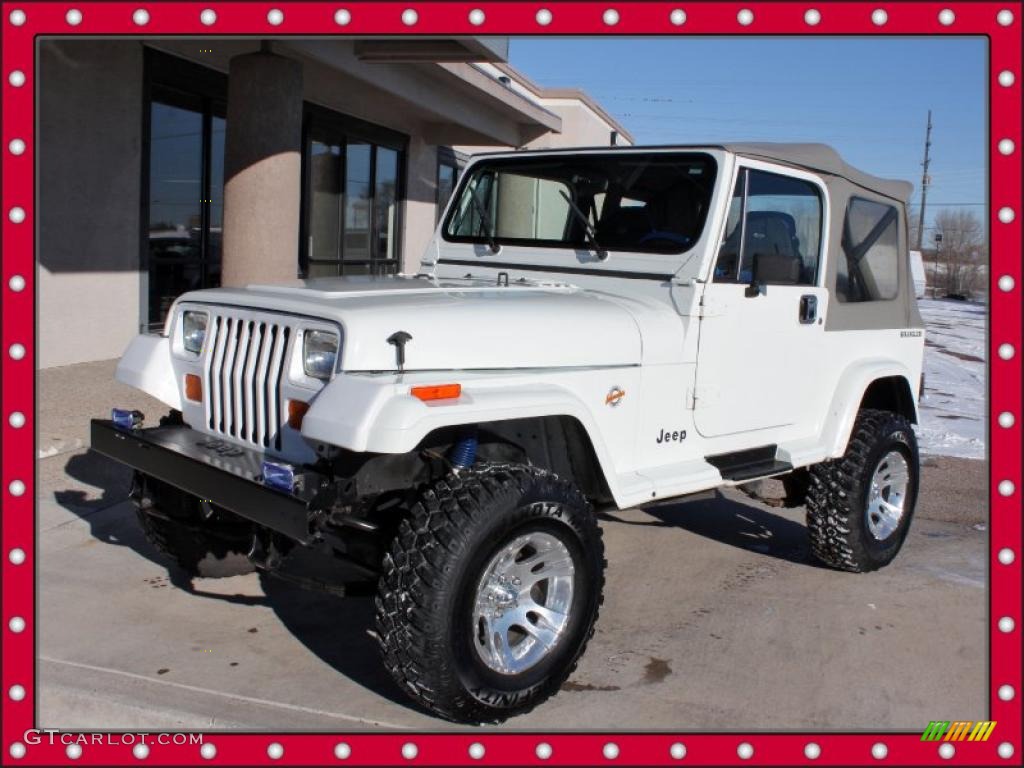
[{"x": 262, "y": 169}]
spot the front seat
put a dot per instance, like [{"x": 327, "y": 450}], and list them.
[{"x": 771, "y": 241}]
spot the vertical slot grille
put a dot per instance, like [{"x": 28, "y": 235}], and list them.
[{"x": 243, "y": 371}]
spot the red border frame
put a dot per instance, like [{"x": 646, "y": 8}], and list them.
[{"x": 18, "y": 313}]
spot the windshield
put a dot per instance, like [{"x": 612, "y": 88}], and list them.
[{"x": 615, "y": 201}]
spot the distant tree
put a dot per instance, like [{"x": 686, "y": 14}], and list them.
[{"x": 962, "y": 253}]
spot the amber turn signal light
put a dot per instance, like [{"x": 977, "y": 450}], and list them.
[
  {"x": 296, "y": 410},
  {"x": 437, "y": 392},
  {"x": 193, "y": 388}
]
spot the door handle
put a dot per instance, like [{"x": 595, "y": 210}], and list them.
[{"x": 808, "y": 309}]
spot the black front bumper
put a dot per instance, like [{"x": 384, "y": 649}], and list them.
[{"x": 223, "y": 473}]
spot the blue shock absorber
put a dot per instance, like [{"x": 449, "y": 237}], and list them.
[{"x": 463, "y": 453}]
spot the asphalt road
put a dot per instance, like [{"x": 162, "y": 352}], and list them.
[{"x": 714, "y": 617}]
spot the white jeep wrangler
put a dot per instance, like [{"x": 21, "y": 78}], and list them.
[{"x": 590, "y": 327}]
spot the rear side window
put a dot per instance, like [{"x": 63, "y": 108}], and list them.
[{"x": 869, "y": 268}]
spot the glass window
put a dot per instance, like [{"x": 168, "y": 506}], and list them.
[
  {"x": 186, "y": 197},
  {"x": 869, "y": 270},
  {"x": 648, "y": 203},
  {"x": 779, "y": 242},
  {"x": 385, "y": 205},
  {"x": 446, "y": 175}
]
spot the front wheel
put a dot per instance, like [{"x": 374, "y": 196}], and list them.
[
  {"x": 859, "y": 507},
  {"x": 490, "y": 592}
]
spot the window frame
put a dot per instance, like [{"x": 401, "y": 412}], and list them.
[
  {"x": 855, "y": 198},
  {"x": 344, "y": 130},
  {"x": 743, "y": 165},
  {"x": 449, "y": 158}
]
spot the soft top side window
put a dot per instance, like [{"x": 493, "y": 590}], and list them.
[{"x": 869, "y": 269}]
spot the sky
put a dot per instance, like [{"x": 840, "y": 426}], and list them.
[{"x": 867, "y": 97}]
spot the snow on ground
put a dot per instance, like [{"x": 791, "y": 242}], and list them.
[{"x": 953, "y": 411}]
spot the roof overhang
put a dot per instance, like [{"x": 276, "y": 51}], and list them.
[{"x": 406, "y": 50}]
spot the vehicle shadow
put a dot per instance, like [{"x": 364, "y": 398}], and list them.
[
  {"x": 335, "y": 627},
  {"x": 747, "y": 525}
]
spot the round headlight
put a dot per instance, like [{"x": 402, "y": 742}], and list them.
[
  {"x": 319, "y": 354},
  {"x": 193, "y": 331}
]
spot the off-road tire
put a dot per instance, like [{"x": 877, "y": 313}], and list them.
[
  {"x": 836, "y": 500},
  {"x": 424, "y": 621},
  {"x": 212, "y": 548}
]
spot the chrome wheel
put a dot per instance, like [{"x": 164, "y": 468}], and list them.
[
  {"x": 522, "y": 603},
  {"x": 887, "y": 496}
]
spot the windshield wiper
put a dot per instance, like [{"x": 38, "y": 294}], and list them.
[
  {"x": 485, "y": 219},
  {"x": 588, "y": 231}
]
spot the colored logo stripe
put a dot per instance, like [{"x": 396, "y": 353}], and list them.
[
  {"x": 935, "y": 730},
  {"x": 958, "y": 730}
]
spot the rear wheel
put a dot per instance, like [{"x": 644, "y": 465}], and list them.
[
  {"x": 174, "y": 523},
  {"x": 859, "y": 507},
  {"x": 490, "y": 592}
]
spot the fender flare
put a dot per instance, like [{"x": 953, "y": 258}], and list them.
[
  {"x": 853, "y": 384},
  {"x": 146, "y": 365}
]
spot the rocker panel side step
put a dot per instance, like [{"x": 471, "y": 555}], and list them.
[{"x": 748, "y": 464}]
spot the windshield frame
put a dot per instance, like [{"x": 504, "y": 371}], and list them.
[{"x": 517, "y": 158}]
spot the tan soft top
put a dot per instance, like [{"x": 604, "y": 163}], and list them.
[{"x": 821, "y": 157}]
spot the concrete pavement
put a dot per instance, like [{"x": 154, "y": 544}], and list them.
[{"x": 714, "y": 617}]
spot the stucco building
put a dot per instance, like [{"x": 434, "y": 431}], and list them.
[{"x": 167, "y": 165}]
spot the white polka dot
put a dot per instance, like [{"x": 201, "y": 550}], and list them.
[
  {"x": 879, "y": 750},
  {"x": 74, "y": 18},
  {"x": 610, "y": 751},
  {"x": 342, "y": 751},
  {"x": 16, "y": 419},
  {"x": 73, "y": 751},
  {"x": 140, "y": 751},
  {"x": 1006, "y": 283},
  {"x": 17, "y": 750},
  {"x": 16, "y": 692},
  {"x": 274, "y": 750},
  {"x": 17, "y": 488},
  {"x": 1006, "y": 146},
  {"x": 878, "y": 18},
  {"x": 678, "y": 751},
  {"x": 409, "y": 17},
  {"x": 677, "y": 17},
  {"x": 1006, "y": 488},
  {"x": 1006, "y": 420},
  {"x": 476, "y": 750},
  {"x": 342, "y": 17},
  {"x": 410, "y": 750},
  {"x": 1006, "y": 556},
  {"x": 16, "y": 214},
  {"x": 17, "y": 351},
  {"x": 275, "y": 16},
  {"x": 141, "y": 18},
  {"x": 208, "y": 750},
  {"x": 16, "y": 283},
  {"x": 543, "y": 750},
  {"x": 812, "y": 751},
  {"x": 745, "y": 751},
  {"x": 1006, "y": 692},
  {"x": 16, "y": 147},
  {"x": 17, "y": 17},
  {"x": 1006, "y": 625},
  {"x": 16, "y": 556},
  {"x": 1006, "y": 215},
  {"x": 745, "y": 17},
  {"x": 946, "y": 751},
  {"x": 209, "y": 18},
  {"x": 1005, "y": 19},
  {"x": 946, "y": 17},
  {"x": 477, "y": 17},
  {"x": 1006, "y": 78},
  {"x": 610, "y": 17},
  {"x": 1005, "y": 750},
  {"x": 16, "y": 78},
  {"x": 1006, "y": 351},
  {"x": 812, "y": 17},
  {"x": 544, "y": 17}
]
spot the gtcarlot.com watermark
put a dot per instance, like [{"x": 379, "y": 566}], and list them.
[{"x": 35, "y": 736}]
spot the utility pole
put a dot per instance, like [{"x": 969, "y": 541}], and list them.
[{"x": 924, "y": 180}]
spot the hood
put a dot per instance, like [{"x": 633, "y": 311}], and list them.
[{"x": 454, "y": 324}]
